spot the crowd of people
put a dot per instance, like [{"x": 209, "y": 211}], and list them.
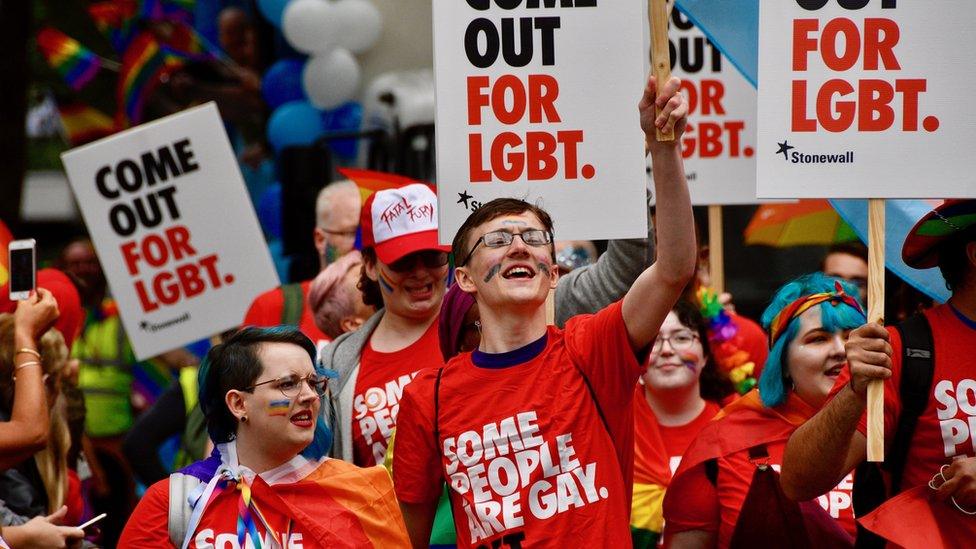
[{"x": 505, "y": 391}]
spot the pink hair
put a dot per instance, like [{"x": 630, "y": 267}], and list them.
[{"x": 330, "y": 299}]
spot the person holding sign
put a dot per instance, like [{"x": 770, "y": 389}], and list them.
[
  {"x": 725, "y": 492},
  {"x": 269, "y": 484},
  {"x": 928, "y": 366},
  {"x": 533, "y": 431}
]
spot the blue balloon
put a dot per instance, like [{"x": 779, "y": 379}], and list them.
[
  {"x": 283, "y": 82},
  {"x": 344, "y": 118},
  {"x": 272, "y": 10},
  {"x": 294, "y": 123},
  {"x": 269, "y": 211}
]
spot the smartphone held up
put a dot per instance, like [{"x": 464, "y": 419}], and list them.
[{"x": 23, "y": 268}]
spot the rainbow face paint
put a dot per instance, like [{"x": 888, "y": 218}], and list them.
[
  {"x": 279, "y": 407},
  {"x": 689, "y": 359},
  {"x": 386, "y": 283},
  {"x": 543, "y": 268},
  {"x": 494, "y": 270}
]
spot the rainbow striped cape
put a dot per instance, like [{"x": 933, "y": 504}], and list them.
[{"x": 331, "y": 502}]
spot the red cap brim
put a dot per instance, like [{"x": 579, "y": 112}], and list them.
[{"x": 391, "y": 250}]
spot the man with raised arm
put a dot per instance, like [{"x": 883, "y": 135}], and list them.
[{"x": 533, "y": 431}]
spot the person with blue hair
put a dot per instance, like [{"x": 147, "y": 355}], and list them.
[
  {"x": 268, "y": 482},
  {"x": 726, "y": 490}
]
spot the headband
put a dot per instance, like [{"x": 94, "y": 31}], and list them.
[{"x": 802, "y": 304}]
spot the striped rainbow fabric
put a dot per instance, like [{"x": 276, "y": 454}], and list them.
[
  {"x": 74, "y": 62},
  {"x": 370, "y": 181},
  {"x": 83, "y": 123}
]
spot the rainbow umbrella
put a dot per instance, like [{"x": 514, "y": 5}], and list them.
[{"x": 806, "y": 222}]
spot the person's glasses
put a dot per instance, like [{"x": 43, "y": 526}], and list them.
[
  {"x": 502, "y": 238},
  {"x": 346, "y": 234},
  {"x": 431, "y": 259},
  {"x": 291, "y": 385},
  {"x": 679, "y": 341}
]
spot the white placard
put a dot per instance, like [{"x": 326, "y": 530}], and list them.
[
  {"x": 719, "y": 144},
  {"x": 562, "y": 83},
  {"x": 866, "y": 103},
  {"x": 174, "y": 229}
]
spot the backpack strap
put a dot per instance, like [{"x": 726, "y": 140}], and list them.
[
  {"x": 294, "y": 304},
  {"x": 917, "y": 371},
  {"x": 180, "y": 487}
]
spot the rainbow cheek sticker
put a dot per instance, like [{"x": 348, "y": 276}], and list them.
[
  {"x": 385, "y": 281},
  {"x": 279, "y": 407}
]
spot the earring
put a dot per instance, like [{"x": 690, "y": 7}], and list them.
[{"x": 244, "y": 419}]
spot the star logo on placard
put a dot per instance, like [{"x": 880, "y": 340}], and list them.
[
  {"x": 464, "y": 198},
  {"x": 784, "y": 148}
]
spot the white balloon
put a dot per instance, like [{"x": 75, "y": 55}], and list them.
[
  {"x": 359, "y": 25},
  {"x": 310, "y": 26},
  {"x": 331, "y": 79}
]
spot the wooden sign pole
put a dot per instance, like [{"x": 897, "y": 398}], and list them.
[
  {"x": 716, "y": 249},
  {"x": 876, "y": 289},
  {"x": 660, "y": 52}
]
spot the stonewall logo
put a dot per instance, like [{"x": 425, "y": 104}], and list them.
[{"x": 797, "y": 157}]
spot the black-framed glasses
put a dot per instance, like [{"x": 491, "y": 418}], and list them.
[
  {"x": 432, "y": 259},
  {"x": 679, "y": 341},
  {"x": 502, "y": 238},
  {"x": 291, "y": 385}
]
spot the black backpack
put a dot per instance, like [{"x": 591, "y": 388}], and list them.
[{"x": 918, "y": 367}]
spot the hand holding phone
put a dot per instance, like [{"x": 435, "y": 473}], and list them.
[
  {"x": 92, "y": 521},
  {"x": 23, "y": 268}
]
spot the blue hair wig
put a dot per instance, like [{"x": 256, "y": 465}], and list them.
[{"x": 772, "y": 382}]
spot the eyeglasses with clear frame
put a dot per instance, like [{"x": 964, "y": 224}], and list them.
[
  {"x": 679, "y": 341},
  {"x": 291, "y": 385},
  {"x": 502, "y": 238}
]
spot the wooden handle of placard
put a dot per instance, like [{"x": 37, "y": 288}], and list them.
[
  {"x": 876, "y": 289},
  {"x": 716, "y": 249},
  {"x": 660, "y": 52}
]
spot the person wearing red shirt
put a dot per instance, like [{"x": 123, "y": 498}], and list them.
[
  {"x": 941, "y": 453},
  {"x": 679, "y": 394},
  {"x": 533, "y": 431},
  {"x": 337, "y": 214},
  {"x": 725, "y": 490},
  {"x": 269, "y": 483},
  {"x": 404, "y": 275}
]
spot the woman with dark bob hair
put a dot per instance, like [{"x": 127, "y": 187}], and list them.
[
  {"x": 680, "y": 392},
  {"x": 268, "y": 482}
]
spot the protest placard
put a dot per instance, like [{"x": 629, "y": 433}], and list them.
[
  {"x": 719, "y": 142},
  {"x": 173, "y": 227},
  {"x": 537, "y": 99},
  {"x": 865, "y": 99}
]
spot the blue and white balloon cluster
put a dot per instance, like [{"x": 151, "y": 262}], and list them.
[{"x": 312, "y": 96}]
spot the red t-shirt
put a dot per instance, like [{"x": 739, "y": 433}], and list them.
[
  {"x": 677, "y": 438},
  {"x": 266, "y": 310},
  {"x": 700, "y": 505},
  {"x": 945, "y": 430},
  {"x": 379, "y": 388},
  {"x": 521, "y": 443}
]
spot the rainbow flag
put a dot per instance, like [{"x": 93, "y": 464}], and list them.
[
  {"x": 147, "y": 60},
  {"x": 331, "y": 503},
  {"x": 149, "y": 379},
  {"x": 83, "y": 123},
  {"x": 370, "y": 181},
  {"x": 5, "y": 239},
  {"x": 74, "y": 62},
  {"x": 118, "y": 19}
]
